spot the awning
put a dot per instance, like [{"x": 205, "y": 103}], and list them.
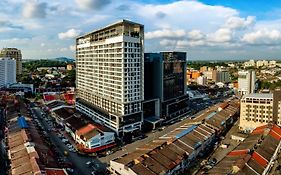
[{"x": 153, "y": 119}]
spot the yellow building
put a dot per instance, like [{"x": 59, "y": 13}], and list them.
[{"x": 259, "y": 109}]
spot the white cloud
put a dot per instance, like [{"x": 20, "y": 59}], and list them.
[
  {"x": 72, "y": 47},
  {"x": 263, "y": 36},
  {"x": 165, "y": 33},
  {"x": 235, "y": 22},
  {"x": 92, "y": 4},
  {"x": 42, "y": 44},
  {"x": 220, "y": 36},
  {"x": 63, "y": 49},
  {"x": 187, "y": 15},
  {"x": 171, "y": 25},
  {"x": 70, "y": 34},
  {"x": 13, "y": 41},
  {"x": 168, "y": 42},
  {"x": 195, "y": 35},
  {"x": 34, "y": 9}
]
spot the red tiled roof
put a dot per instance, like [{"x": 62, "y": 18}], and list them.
[
  {"x": 238, "y": 152},
  {"x": 274, "y": 134},
  {"x": 53, "y": 171},
  {"x": 262, "y": 161},
  {"x": 85, "y": 129}
]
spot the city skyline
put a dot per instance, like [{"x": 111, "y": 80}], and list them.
[{"x": 205, "y": 29}]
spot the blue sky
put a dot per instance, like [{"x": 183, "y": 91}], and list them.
[{"x": 206, "y": 29}]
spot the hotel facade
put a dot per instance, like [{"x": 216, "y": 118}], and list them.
[{"x": 110, "y": 76}]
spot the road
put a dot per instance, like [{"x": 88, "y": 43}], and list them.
[{"x": 79, "y": 162}]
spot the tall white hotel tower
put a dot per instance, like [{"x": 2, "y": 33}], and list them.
[{"x": 110, "y": 71}]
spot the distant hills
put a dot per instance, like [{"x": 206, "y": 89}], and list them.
[{"x": 63, "y": 59}]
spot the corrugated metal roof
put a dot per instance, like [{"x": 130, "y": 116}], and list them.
[{"x": 186, "y": 131}]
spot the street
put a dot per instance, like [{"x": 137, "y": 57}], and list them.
[{"x": 78, "y": 161}]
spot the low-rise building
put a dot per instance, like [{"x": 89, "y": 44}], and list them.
[
  {"x": 202, "y": 80},
  {"x": 93, "y": 138},
  {"x": 272, "y": 64},
  {"x": 28, "y": 151},
  {"x": 262, "y": 63},
  {"x": 165, "y": 158},
  {"x": 224, "y": 117},
  {"x": 254, "y": 155},
  {"x": 89, "y": 136},
  {"x": 250, "y": 63}
]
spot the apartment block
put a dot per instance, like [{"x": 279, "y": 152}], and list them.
[
  {"x": 260, "y": 109},
  {"x": 220, "y": 76},
  {"x": 13, "y": 53},
  {"x": 7, "y": 72},
  {"x": 110, "y": 76},
  {"x": 246, "y": 82}
]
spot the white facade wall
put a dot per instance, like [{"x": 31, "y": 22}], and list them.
[
  {"x": 118, "y": 168},
  {"x": 7, "y": 72},
  {"x": 255, "y": 112},
  {"x": 262, "y": 63},
  {"x": 202, "y": 80},
  {"x": 250, "y": 63},
  {"x": 97, "y": 141},
  {"x": 110, "y": 73},
  {"x": 246, "y": 82},
  {"x": 208, "y": 74}
]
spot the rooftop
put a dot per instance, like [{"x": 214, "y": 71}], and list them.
[
  {"x": 259, "y": 95},
  {"x": 109, "y": 26}
]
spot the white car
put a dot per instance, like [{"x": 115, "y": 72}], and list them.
[{"x": 64, "y": 140}]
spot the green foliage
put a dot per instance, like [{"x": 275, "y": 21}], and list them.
[
  {"x": 268, "y": 85},
  {"x": 33, "y": 65},
  {"x": 69, "y": 79}
]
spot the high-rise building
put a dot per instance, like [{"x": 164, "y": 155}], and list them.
[
  {"x": 110, "y": 76},
  {"x": 165, "y": 75},
  {"x": 7, "y": 72},
  {"x": 221, "y": 76},
  {"x": 258, "y": 109},
  {"x": 246, "y": 82},
  {"x": 13, "y": 53}
]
